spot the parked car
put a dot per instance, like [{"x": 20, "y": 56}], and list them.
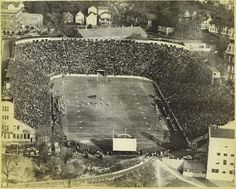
[
  {"x": 31, "y": 151},
  {"x": 13, "y": 148}
]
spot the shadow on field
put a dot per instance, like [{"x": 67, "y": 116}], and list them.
[
  {"x": 176, "y": 141},
  {"x": 103, "y": 144}
]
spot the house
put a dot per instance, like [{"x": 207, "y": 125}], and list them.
[
  {"x": 92, "y": 19},
  {"x": 197, "y": 45},
  {"x": 229, "y": 61},
  {"x": 92, "y": 9},
  {"x": 151, "y": 17},
  {"x": 186, "y": 15},
  {"x": 221, "y": 153},
  {"x": 215, "y": 74},
  {"x": 11, "y": 16},
  {"x": 68, "y": 18},
  {"x": 231, "y": 33},
  {"x": 230, "y": 48},
  {"x": 224, "y": 2},
  {"x": 166, "y": 30},
  {"x": 194, "y": 169},
  {"x": 102, "y": 9},
  {"x": 205, "y": 24},
  {"x": 213, "y": 28},
  {"x": 28, "y": 19},
  {"x": 12, "y": 129},
  {"x": 202, "y": 1},
  {"x": 79, "y": 18},
  {"x": 224, "y": 30},
  {"x": 105, "y": 18}
]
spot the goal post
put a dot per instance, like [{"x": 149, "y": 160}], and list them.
[{"x": 101, "y": 74}]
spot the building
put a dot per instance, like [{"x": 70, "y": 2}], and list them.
[
  {"x": 112, "y": 33},
  {"x": 229, "y": 61},
  {"x": 92, "y": 19},
  {"x": 79, "y": 18},
  {"x": 197, "y": 45},
  {"x": 224, "y": 2},
  {"x": 221, "y": 153},
  {"x": 11, "y": 16},
  {"x": 230, "y": 33},
  {"x": 151, "y": 17},
  {"x": 102, "y": 9},
  {"x": 28, "y": 19},
  {"x": 205, "y": 24},
  {"x": 105, "y": 19},
  {"x": 92, "y": 9},
  {"x": 202, "y": 1},
  {"x": 166, "y": 30},
  {"x": 68, "y": 18},
  {"x": 12, "y": 129},
  {"x": 213, "y": 28},
  {"x": 186, "y": 15},
  {"x": 194, "y": 169},
  {"x": 224, "y": 30}
]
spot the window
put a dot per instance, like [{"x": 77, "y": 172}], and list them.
[
  {"x": 231, "y": 163},
  {"x": 18, "y": 127},
  {"x": 224, "y": 162},
  {"x": 5, "y": 117},
  {"x": 232, "y": 155},
  {"x": 218, "y": 154},
  {"x": 215, "y": 170},
  {"x": 5, "y": 127},
  {"x": 231, "y": 172},
  {"x": 24, "y": 136},
  {"x": 226, "y": 146},
  {"x": 5, "y": 108},
  {"x": 17, "y": 135},
  {"x": 21, "y": 135},
  {"x": 223, "y": 172},
  {"x": 225, "y": 154},
  {"x": 28, "y": 136},
  {"x": 8, "y": 135},
  {"x": 217, "y": 163},
  {"x": 14, "y": 135}
]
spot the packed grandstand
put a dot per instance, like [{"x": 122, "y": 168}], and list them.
[{"x": 182, "y": 77}]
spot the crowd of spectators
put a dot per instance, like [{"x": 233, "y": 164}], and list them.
[{"x": 196, "y": 103}]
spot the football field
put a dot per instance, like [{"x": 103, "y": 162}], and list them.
[{"x": 94, "y": 108}]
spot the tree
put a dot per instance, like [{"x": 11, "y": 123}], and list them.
[
  {"x": 9, "y": 164},
  {"x": 66, "y": 154}
]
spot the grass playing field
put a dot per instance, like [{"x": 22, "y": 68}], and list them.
[{"x": 118, "y": 103}]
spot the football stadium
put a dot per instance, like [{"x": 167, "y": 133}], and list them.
[{"x": 145, "y": 91}]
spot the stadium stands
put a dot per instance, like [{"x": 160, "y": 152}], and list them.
[{"x": 179, "y": 74}]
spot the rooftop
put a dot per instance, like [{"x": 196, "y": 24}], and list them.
[
  {"x": 121, "y": 32},
  {"x": 4, "y": 5},
  {"x": 222, "y": 133},
  {"x": 194, "y": 165}
]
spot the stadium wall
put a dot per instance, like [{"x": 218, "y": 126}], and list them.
[
  {"x": 95, "y": 75},
  {"x": 31, "y": 39}
]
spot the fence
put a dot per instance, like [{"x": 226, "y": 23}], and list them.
[
  {"x": 89, "y": 180},
  {"x": 171, "y": 113}
]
